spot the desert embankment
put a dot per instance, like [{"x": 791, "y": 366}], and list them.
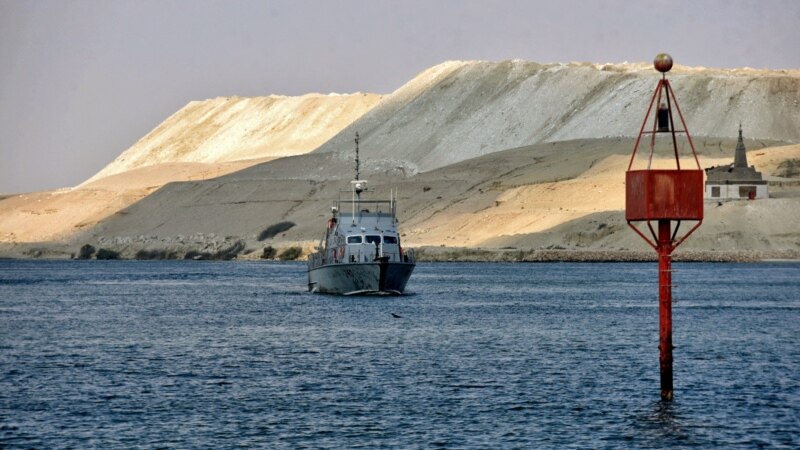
[{"x": 511, "y": 160}]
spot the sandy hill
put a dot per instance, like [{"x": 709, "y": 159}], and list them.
[
  {"x": 553, "y": 195},
  {"x": 459, "y": 110},
  {"x": 229, "y": 129},
  {"x": 204, "y": 139},
  {"x": 223, "y": 170},
  {"x": 60, "y": 214}
]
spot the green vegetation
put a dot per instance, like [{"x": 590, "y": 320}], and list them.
[
  {"x": 155, "y": 254},
  {"x": 86, "y": 252},
  {"x": 290, "y": 254},
  {"x": 274, "y": 230},
  {"x": 269, "y": 253},
  {"x": 105, "y": 253}
]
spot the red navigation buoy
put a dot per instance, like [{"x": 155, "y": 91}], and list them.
[{"x": 666, "y": 197}]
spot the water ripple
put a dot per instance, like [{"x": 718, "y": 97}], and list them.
[{"x": 220, "y": 354}]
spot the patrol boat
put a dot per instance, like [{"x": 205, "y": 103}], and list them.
[{"x": 360, "y": 252}]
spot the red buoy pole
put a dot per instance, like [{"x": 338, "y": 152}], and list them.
[
  {"x": 664, "y": 195},
  {"x": 665, "y": 306}
]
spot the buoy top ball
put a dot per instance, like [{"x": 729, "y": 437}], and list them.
[{"x": 663, "y": 62}]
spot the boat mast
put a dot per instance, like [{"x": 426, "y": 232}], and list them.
[
  {"x": 356, "y": 185},
  {"x": 357, "y": 162}
]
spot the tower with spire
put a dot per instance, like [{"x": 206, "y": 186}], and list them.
[
  {"x": 740, "y": 157},
  {"x": 737, "y": 180}
]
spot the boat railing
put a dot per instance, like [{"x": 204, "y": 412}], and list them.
[
  {"x": 315, "y": 260},
  {"x": 320, "y": 258}
]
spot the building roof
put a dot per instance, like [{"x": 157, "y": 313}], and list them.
[
  {"x": 735, "y": 173},
  {"x": 740, "y": 156}
]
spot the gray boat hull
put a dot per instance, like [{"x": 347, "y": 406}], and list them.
[{"x": 360, "y": 278}]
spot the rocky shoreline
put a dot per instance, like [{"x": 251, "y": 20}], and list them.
[
  {"x": 444, "y": 254},
  {"x": 211, "y": 247}
]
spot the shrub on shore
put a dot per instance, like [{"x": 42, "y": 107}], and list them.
[
  {"x": 155, "y": 254},
  {"x": 269, "y": 253},
  {"x": 290, "y": 254},
  {"x": 86, "y": 252},
  {"x": 105, "y": 253}
]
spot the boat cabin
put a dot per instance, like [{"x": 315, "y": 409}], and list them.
[{"x": 362, "y": 231}]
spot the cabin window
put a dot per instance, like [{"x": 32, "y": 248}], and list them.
[
  {"x": 373, "y": 239},
  {"x": 353, "y": 239},
  {"x": 715, "y": 191},
  {"x": 390, "y": 239}
]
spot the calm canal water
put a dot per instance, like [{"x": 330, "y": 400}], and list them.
[{"x": 128, "y": 354}]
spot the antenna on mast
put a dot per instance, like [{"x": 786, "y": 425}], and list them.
[{"x": 357, "y": 162}]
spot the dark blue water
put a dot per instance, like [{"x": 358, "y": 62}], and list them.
[{"x": 126, "y": 354}]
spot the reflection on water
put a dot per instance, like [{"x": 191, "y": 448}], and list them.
[{"x": 665, "y": 421}]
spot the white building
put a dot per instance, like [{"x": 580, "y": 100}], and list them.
[{"x": 737, "y": 180}]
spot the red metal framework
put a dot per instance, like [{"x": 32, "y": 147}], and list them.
[{"x": 664, "y": 196}]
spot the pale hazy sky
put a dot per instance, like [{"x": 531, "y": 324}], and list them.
[{"x": 81, "y": 81}]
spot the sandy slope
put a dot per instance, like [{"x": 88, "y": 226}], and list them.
[
  {"x": 233, "y": 128},
  {"x": 459, "y": 110},
  {"x": 60, "y": 214},
  {"x": 565, "y": 195},
  {"x": 511, "y": 210},
  {"x": 594, "y": 216},
  {"x": 205, "y": 139}
]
